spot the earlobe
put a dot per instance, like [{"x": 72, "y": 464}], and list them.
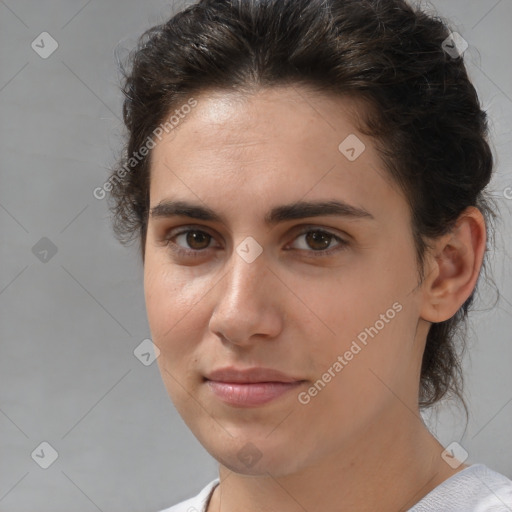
[{"x": 455, "y": 264}]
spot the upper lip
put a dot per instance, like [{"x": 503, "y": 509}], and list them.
[{"x": 249, "y": 375}]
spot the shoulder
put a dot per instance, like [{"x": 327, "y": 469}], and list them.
[
  {"x": 198, "y": 502},
  {"x": 474, "y": 489}
]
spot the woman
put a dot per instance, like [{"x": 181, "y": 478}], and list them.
[{"x": 307, "y": 182}]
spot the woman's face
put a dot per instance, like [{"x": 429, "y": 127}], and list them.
[{"x": 327, "y": 297}]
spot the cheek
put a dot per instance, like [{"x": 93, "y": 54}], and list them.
[
  {"x": 369, "y": 314},
  {"x": 350, "y": 300},
  {"x": 172, "y": 304}
]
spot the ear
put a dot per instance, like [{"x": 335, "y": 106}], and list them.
[{"x": 453, "y": 266}]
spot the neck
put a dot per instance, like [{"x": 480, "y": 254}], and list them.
[{"x": 388, "y": 467}]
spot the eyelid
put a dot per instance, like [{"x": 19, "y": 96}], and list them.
[{"x": 306, "y": 228}]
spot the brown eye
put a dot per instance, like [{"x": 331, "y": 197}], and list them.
[
  {"x": 197, "y": 240},
  {"x": 318, "y": 240},
  {"x": 189, "y": 243}
]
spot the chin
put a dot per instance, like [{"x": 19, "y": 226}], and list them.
[{"x": 256, "y": 456}]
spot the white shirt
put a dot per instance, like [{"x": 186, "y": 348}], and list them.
[{"x": 474, "y": 489}]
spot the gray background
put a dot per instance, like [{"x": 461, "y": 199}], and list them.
[{"x": 71, "y": 321}]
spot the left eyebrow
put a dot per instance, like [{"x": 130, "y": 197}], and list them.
[{"x": 278, "y": 214}]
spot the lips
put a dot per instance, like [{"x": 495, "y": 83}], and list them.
[
  {"x": 250, "y": 375},
  {"x": 250, "y": 387}
]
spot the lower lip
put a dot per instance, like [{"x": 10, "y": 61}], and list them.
[{"x": 250, "y": 395}]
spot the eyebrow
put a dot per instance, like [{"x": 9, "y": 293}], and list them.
[{"x": 298, "y": 210}]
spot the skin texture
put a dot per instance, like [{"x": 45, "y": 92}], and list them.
[{"x": 359, "y": 443}]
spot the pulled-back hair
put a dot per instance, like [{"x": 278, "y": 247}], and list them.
[{"x": 424, "y": 114}]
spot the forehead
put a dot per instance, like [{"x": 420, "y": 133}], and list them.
[
  {"x": 278, "y": 140},
  {"x": 232, "y": 120}
]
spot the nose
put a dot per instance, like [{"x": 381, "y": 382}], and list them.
[{"x": 248, "y": 303}]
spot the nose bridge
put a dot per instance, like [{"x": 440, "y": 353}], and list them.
[
  {"x": 245, "y": 302},
  {"x": 246, "y": 275}
]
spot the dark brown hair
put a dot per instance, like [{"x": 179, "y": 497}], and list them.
[{"x": 425, "y": 116}]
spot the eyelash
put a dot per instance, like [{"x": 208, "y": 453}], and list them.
[{"x": 178, "y": 250}]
